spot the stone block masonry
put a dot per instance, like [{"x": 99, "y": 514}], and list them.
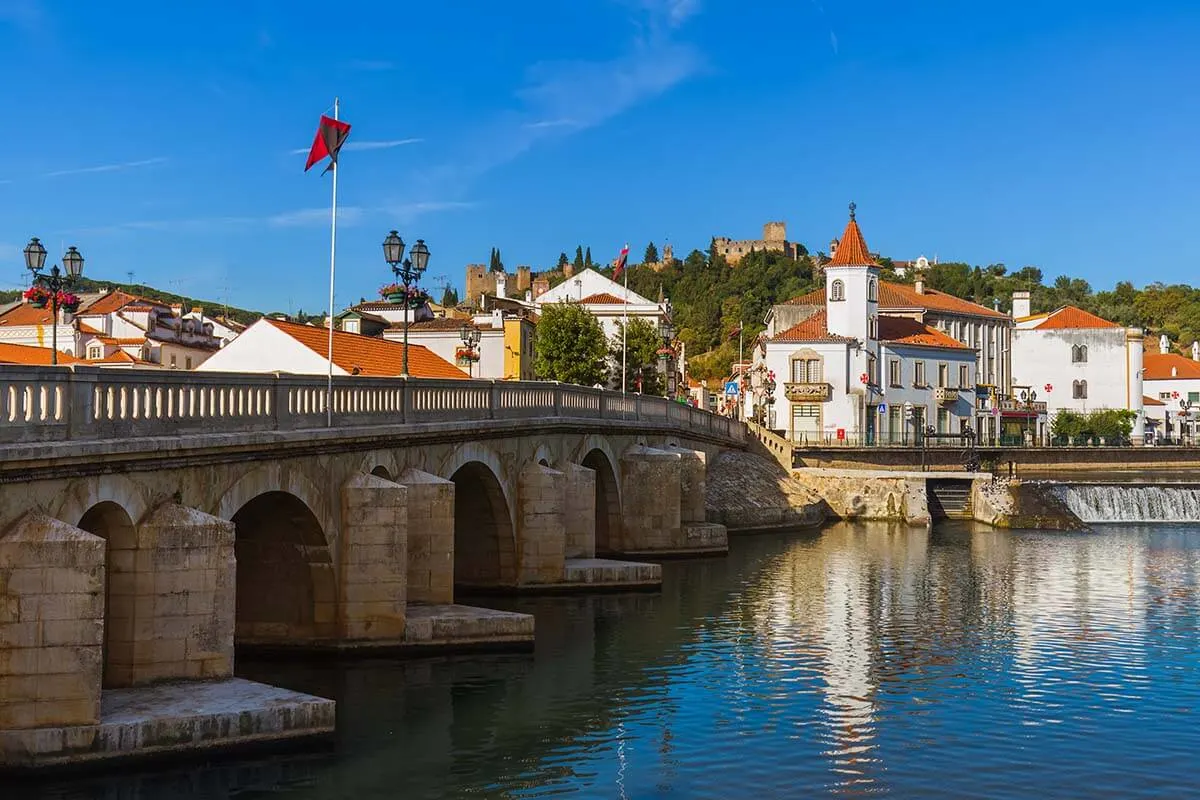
[
  {"x": 51, "y": 624},
  {"x": 651, "y": 492},
  {"x": 430, "y": 537},
  {"x": 373, "y": 563},
  {"x": 580, "y": 511},
  {"x": 541, "y": 527}
]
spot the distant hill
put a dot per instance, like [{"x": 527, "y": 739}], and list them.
[{"x": 211, "y": 307}]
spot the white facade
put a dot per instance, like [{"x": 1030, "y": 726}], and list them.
[
  {"x": 265, "y": 348},
  {"x": 445, "y": 343},
  {"x": 1173, "y": 380},
  {"x": 607, "y": 300},
  {"x": 1079, "y": 362}
]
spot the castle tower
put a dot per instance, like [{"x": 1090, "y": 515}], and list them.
[
  {"x": 524, "y": 279},
  {"x": 668, "y": 253},
  {"x": 775, "y": 235},
  {"x": 852, "y": 286}
]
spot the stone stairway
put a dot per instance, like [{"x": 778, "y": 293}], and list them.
[{"x": 949, "y": 499}]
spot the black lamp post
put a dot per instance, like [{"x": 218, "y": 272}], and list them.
[
  {"x": 408, "y": 272},
  {"x": 1029, "y": 397},
  {"x": 54, "y": 282},
  {"x": 470, "y": 338}
]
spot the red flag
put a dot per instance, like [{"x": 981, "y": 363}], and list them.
[
  {"x": 620, "y": 267},
  {"x": 736, "y": 332},
  {"x": 331, "y": 135}
]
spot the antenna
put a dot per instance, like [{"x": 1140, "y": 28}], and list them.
[{"x": 130, "y": 274}]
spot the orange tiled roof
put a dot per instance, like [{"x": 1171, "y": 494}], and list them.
[
  {"x": 894, "y": 296},
  {"x": 1152, "y": 401},
  {"x": 113, "y": 301},
  {"x": 902, "y": 330},
  {"x": 1071, "y": 317},
  {"x": 439, "y": 324},
  {"x": 32, "y": 356},
  {"x": 852, "y": 247},
  {"x": 1158, "y": 366},
  {"x": 813, "y": 329},
  {"x": 25, "y": 314},
  {"x": 371, "y": 356},
  {"x": 119, "y": 357},
  {"x": 88, "y": 329},
  {"x": 602, "y": 299}
]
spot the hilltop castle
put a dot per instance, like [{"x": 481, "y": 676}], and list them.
[{"x": 774, "y": 239}]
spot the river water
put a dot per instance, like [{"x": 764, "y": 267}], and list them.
[{"x": 857, "y": 660}]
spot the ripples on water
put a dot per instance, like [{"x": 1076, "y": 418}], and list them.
[{"x": 861, "y": 660}]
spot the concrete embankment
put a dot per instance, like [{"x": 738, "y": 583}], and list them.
[
  {"x": 745, "y": 491},
  {"x": 1020, "y": 504},
  {"x": 868, "y": 494}
]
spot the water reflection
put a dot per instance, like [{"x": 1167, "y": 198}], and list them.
[{"x": 857, "y": 660}]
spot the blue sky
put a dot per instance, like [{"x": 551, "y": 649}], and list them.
[{"x": 159, "y": 137}]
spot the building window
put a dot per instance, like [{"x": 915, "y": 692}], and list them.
[
  {"x": 188, "y": 363},
  {"x": 896, "y": 424},
  {"x": 806, "y": 422},
  {"x": 96, "y": 351},
  {"x": 1079, "y": 390},
  {"x": 806, "y": 370},
  {"x": 837, "y": 291},
  {"x": 894, "y": 378},
  {"x": 172, "y": 361},
  {"x": 1164, "y": 395},
  {"x": 919, "y": 374},
  {"x": 873, "y": 291},
  {"x": 964, "y": 376},
  {"x": 1194, "y": 397},
  {"x": 873, "y": 328},
  {"x": 1079, "y": 354},
  {"x": 943, "y": 375},
  {"x": 943, "y": 421},
  {"x": 872, "y": 370}
]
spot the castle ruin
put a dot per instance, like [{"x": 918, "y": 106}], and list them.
[{"x": 774, "y": 239}]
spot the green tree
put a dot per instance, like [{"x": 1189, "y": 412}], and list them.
[
  {"x": 495, "y": 264},
  {"x": 641, "y": 356},
  {"x": 587, "y": 259},
  {"x": 578, "y": 263},
  {"x": 651, "y": 256},
  {"x": 562, "y": 261},
  {"x": 570, "y": 346},
  {"x": 450, "y": 297}
]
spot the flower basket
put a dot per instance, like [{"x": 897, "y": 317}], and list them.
[
  {"x": 37, "y": 297},
  {"x": 68, "y": 302},
  {"x": 395, "y": 297}
]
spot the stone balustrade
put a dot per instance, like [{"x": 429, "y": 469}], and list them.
[{"x": 79, "y": 403}]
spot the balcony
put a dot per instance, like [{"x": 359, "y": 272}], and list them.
[
  {"x": 808, "y": 392},
  {"x": 1008, "y": 404},
  {"x": 944, "y": 395}
]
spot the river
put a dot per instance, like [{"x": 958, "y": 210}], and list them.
[{"x": 857, "y": 660}]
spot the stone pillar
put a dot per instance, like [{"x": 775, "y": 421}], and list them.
[
  {"x": 172, "y": 599},
  {"x": 541, "y": 535},
  {"x": 51, "y": 624},
  {"x": 692, "y": 471},
  {"x": 651, "y": 491},
  {"x": 373, "y": 559},
  {"x": 430, "y": 537},
  {"x": 579, "y": 512}
]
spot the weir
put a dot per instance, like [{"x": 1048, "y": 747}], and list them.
[{"x": 1130, "y": 502}]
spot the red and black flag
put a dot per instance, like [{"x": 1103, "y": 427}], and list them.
[
  {"x": 620, "y": 267},
  {"x": 331, "y": 135},
  {"x": 736, "y": 332}
]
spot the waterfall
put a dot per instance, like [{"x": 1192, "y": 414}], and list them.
[{"x": 1131, "y": 503}]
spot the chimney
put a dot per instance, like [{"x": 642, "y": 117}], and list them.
[
  {"x": 1196, "y": 351},
  {"x": 198, "y": 311},
  {"x": 501, "y": 284},
  {"x": 177, "y": 309},
  {"x": 920, "y": 284},
  {"x": 1164, "y": 344},
  {"x": 1020, "y": 306}
]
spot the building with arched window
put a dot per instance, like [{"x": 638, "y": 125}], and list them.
[{"x": 1077, "y": 361}]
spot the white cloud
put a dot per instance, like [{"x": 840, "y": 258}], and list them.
[
  {"x": 146, "y": 162},
  {"x": 551, "y": 123}
]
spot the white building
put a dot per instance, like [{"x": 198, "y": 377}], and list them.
[
  {"x": 986, "y": 331},
  {"x": 272, "y": 345},
  {"x": 1173, "y": 381},
  {"x": 607, "y": 300},
  {"x": 845, "y": 373},
  {"x": 1077, "y": 361},
  {"x": 118, "y": 329},
  {"x": 505, "y": 350}
]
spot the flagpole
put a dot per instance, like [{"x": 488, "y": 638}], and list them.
[
  {"x": 624, "y": 323},
  {"x": 332, "y": 263},
  {"x": 742, "y": 366}
]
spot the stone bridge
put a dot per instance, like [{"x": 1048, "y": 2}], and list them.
[{"x": 150, "y": 520}]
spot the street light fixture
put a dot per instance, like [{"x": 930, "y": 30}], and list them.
[
  {"x": 408, "y": 272},
  {"x": 54, "y": 282},
  {"x": 470, "y": 338}
]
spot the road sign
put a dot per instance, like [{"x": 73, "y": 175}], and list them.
[
  {"x": 882, "y": 408},
  {"x": 731, "y": 388}
]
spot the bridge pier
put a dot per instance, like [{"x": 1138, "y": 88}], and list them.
[
  {"x": 663, "y": 511},
  {"x": 64, "y": 644}
]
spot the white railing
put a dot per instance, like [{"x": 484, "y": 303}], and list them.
[{"x": 45, "y": 404}]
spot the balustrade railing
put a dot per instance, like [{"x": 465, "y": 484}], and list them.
[{"x": 45, "y": 404}]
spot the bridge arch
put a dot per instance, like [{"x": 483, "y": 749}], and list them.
[
  {"x": 87, "y": 493},
  {"x": 381, "y": 465},
  {"x": 111, "y": 522},
  {"x": 608, "y": 501},
  {"x": 285, "y": 574},
  {"x": 543, "y": 455},
  {"x": 484, "y": 539}
]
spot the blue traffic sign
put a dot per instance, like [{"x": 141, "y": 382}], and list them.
[{"x": 731, "y": 387}]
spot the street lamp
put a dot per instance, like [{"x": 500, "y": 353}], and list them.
[
  {"x": 1029, "y": 397},
  {"x": 408, "y": 272},
  {"x": 470, "y": 338},
  {"x": 1185, "y": 414},
  {"x": 53, "y": 282},
  {"x": 667, "y": 331}
]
